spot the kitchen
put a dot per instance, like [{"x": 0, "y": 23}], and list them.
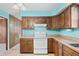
[{"x": 50, "y": 29}]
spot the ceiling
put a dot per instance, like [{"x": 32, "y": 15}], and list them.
[
  {"x": 8, "y": 7},
  {"x": 31, "y": 6},
  {"x": 40, "y": 6}
]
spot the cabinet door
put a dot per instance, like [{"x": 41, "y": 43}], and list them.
[
  {"x": 61, "y": 20},
  {"x": 67, "y": 17},
  {"x": 50, "y": 45},
  {"x": 60, "y": 48},
  {"x": 69, "y": 51},
  {"x": 75, "y": 16},
  {"x": 2, "y": 31},
  {"x": 49, "y": 23},
  {"x": 40, "y": 20},
  {"x": 53, "y": 22},
  {"x": 24, "y": 23},
  {"x": 26, "y": 45},
  {"x": 30, "y": 21},
  {"x": 55, "y": 47}
]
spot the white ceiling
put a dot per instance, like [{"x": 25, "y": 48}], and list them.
[
  {"x": 40, "y": 6},
  {"x": 29, "y": 7}
]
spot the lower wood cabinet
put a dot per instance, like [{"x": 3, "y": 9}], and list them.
[
  {"x": 60, "y": 49},
  {"x": 50, "y": 45},
  {"x": 69, "y": 52},
  {"x": 26, "y": 45},
  {"x": 55, "y": 47}
]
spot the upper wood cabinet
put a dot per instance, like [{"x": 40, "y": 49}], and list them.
[
  {"x": 28, "y": 22},
  {"x": 75, "y": 16},
  {"x": 49, "y": 23},
  {"x": 55, "y": 22},
  {"x": 40, "y": 20},
  {"x": 67, "y": 18},
  {"x": 61, "y": 22},
  {"x": 24, "y": 23}
]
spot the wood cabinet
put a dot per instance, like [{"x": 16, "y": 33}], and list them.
[
  {"x": 69, "y": 52},
  {"x": 55, "y": 47},
  {"x": 50, "y": 45},
  {"x": 28, "y": 22},
  {"x": 3, "y": 28},
  {"x": 24, "y": 23},
  {"x": 60, "y": 49},
  {"x": 49, "y": 23},
  {"x": 67, "y": 18},
  {"x": 55, "y": 22},
  {"x": 61, "y": 22},
  {"x": 75, "y": 16},
  {"x": 26, "y": 45}
]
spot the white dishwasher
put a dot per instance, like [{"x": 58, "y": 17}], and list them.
[{"x": 40, "y": 39}]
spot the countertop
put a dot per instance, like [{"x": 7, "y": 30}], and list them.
[{"x": 64, "y": 40}]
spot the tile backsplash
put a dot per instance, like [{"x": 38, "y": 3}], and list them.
[
  {"x": 30, "y": 32},
  {"x": 66, "y": 32}
]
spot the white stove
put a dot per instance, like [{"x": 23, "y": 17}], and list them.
[{"x": 40, "y": 39}]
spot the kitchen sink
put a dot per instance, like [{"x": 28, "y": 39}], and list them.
[{"x": 75, "y": 44}]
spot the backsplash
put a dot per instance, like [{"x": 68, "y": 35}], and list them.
[
  {"x": 72, "y": 33},
  {"x": 30, "y": 32}
]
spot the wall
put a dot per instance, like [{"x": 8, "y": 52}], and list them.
[
  {"x": 35, "y": 13},
  {"x": 4, "y": 14}
]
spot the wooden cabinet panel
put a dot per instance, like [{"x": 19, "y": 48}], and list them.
[
  {"x": 60, "y": 49},
  {"x": 26, "y": 45},
  {"x": 55, "y": 22},
  {"x": 61, "y": 20},
  {"x": 67, "y": 16},
  {"x": 69, "y": 51},
  {"x": 49, "y": 23},
  {"x": 50, "y": 45},
  {"x": 71, "y": 16},
  {"x": 65, "y": 53},
  {"x": 27, "y": 22},
  {"x": 40, "y": 20},
  {"x": 3, "y": 32},
  {"x": 55, "y": 47},
  {"x": 24, "y": 23},
  {"x": 30, "y": 22}
]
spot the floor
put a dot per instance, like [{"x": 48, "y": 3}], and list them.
[{"x": 15, "y": 51}]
